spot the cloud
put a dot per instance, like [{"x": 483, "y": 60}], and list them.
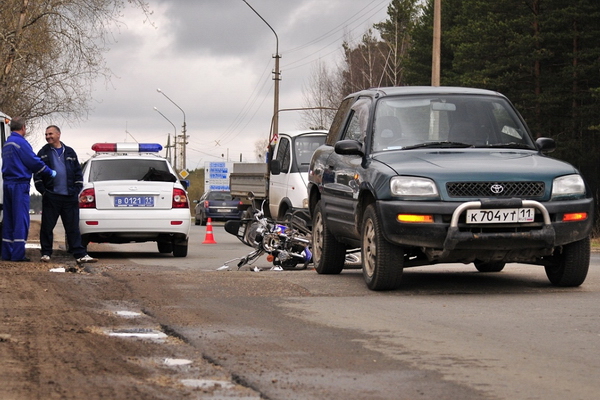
[{"x": 214, "y": 59}]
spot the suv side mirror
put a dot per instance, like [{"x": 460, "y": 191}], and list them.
[
  {"x": 545, "y": 145},
  {"x": 349, "y": 147},
  {"x": 275, "y": 167}
]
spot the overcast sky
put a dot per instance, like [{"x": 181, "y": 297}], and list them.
[{"x": 213, "y": 58}]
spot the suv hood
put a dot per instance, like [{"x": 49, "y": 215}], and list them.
[{"x": 475, "y": 164}]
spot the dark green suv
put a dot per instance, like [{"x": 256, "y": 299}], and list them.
[{"x": 425, "y": 175}]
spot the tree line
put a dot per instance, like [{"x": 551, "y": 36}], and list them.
[{"x": 544, "y": 55}]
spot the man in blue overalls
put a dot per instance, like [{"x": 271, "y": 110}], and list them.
[{"x": 19, "y": 163}]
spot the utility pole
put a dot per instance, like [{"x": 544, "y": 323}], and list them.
[{"x": 437, "y": 39}]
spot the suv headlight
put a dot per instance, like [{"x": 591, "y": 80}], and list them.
[
  {"x": 411, "y": 186},
  {"x": 568, "y": 186}
]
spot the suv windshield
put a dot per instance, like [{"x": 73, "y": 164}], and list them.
[
  {"x": 463, "y": 120},
  {"x": 124, "y": 169}
]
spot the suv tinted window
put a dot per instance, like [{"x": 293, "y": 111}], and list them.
[
  {"x": 124, "y": 169},
  {"x": 357, "y": 128}
]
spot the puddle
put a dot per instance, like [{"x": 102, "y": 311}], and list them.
[
  {"x": 207, "y": 383},
  {"x": 172, "y": 362},
  {"x": 128, "y": 314},
  {"x": 142, "y": 333}
]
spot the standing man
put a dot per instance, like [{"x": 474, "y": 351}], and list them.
[
  {"x": 19, "y": 162},
  {"x": 60, "y": 196}
]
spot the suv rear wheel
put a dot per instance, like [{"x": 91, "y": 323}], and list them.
[
  {"x": 382, "y": 261},
  {"x": 329, "y": 255}
]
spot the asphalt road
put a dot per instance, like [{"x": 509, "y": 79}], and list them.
[{"x": 448, "y": 333}]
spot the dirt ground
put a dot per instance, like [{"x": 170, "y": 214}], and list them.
[{"x": 57, "y": 340}]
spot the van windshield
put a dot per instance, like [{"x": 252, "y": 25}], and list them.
[{"x": 305, "y": 147}]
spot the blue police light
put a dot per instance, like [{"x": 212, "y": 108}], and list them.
[{"x": 150, "y": 147}]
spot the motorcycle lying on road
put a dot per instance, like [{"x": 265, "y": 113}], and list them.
[{"x": 286, "y": 243}]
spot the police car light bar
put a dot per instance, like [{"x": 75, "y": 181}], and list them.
[{"x": 127, "y": 147}]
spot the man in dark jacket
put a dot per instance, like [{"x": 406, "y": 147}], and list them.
[
  {"x": 60, "y": 196},
  {"x": 19, "y": 162}
]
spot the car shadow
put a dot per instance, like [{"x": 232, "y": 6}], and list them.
[{"x": 465, "y": 279}]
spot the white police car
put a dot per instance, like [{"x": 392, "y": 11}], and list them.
[{"x": 131, "y": 194}]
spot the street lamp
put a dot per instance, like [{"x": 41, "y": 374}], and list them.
[
  {"x": 184, "y": 155},
  {"x": 276, "y": 77},
  {"x": 169, "y": 140}
]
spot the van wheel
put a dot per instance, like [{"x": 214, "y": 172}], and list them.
[
  {"x": 382, "y": 262},
  {"x": 570, "y": 267},
  {"x": 329, "y": 255}
]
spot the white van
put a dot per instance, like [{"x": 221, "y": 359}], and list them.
[{"x": 289, "y": 170}]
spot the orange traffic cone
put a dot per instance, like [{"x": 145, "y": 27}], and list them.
[{"x": 209, "y": 238}]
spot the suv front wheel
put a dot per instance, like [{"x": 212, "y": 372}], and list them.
[
  {"x": 570, "y": 267},
  {"x": 382, "y": 262}
]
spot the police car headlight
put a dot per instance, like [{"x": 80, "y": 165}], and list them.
[
  {"x": 410, "y": 186},
  {"x": 568, "y": 186}
]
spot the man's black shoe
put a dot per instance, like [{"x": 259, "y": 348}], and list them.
[{"x": 24, "y": 259}]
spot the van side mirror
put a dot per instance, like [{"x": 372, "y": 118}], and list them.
[{"x": 275, "y": 167}]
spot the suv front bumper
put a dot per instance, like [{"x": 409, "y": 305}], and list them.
[{"x": 450, "y": 232}]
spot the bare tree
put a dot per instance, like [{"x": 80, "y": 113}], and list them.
[
  {"x": 51, "y": 51},
  {"x": 365, "y": 63},
  {"x": 260, "y": 149},
  {"x": 396, "y": 33},
  {"x": 322, "y": 96}
]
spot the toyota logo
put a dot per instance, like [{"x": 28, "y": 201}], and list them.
[{"x": 497, "y": 189}]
